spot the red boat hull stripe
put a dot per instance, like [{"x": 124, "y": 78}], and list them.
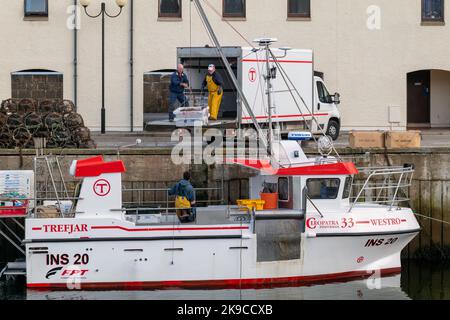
[{"x": 231, "y": 283}]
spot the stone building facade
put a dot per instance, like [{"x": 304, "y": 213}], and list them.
[{"x": 388, "y": 59}]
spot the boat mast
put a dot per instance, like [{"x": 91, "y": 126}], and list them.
[
  {"x": 210, "y": 30},
  {"x": 266, "y": 43}
]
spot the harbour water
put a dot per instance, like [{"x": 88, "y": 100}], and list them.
[{"x": 418, "y": 281}]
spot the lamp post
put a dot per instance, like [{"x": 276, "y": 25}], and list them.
[{"x": 103, "y": 13}]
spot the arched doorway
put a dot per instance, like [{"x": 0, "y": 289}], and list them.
[
  {"x": 428, "y": 99},
  {"x": 156, "y": 95}
]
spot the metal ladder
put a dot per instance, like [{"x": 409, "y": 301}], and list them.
[{"x": 18, "y": 267}]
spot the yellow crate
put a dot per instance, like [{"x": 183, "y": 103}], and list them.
[{"x": 257, "y": 204}]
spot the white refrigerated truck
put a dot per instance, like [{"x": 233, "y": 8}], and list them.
[{"x": 249, "y": 66}]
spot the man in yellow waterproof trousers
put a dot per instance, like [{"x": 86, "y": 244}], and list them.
[
  {"x": 185, "y": 199},
  {"x": 213, "y": 81}
]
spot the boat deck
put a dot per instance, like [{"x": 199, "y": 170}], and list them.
[
  {"x": 216, "y": 215},
  {"x": 213, "y": 215}
]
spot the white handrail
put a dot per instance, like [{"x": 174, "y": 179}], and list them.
[{"x": 388, "y": 173}]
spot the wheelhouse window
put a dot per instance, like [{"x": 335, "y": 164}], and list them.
[
  {"x": 234, "y": 9},
  {"x": 432, "y": 10},
  {"x": 169, "y": 9},
  {"x": 283, "y": 189},
  {"x": 321, "y": 189},
  {"x": 36, "y": 8},
  {"x": 347, "y": 187},
  {"x": 299, "y": 8}
]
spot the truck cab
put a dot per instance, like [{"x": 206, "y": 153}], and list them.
[{"x": 327, "y": 108}]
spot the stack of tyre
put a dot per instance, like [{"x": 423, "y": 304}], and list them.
[{"x": 55, "y": 120}]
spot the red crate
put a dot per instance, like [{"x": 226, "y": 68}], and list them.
[{"x": 14, "y": 210}]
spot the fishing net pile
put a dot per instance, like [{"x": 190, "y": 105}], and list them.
[{"x": 55, "y": 120}]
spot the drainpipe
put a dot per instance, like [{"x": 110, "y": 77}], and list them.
[
  {"x": 75, "y": 57},
  {"x": 131, "y": 66}
]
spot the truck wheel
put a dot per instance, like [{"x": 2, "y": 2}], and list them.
[{"x": 333, "y": 129}]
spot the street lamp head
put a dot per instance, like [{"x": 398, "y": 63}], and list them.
[
  {"x": 121, "y": 3},
  {"x": 85, "y": 3}
]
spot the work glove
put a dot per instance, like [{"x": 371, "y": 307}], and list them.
[{"x": 220, "y": 91}]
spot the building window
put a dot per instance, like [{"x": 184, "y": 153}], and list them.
[
  {"x": 234, "y": 8},
  {"x": 299, "y": 8},
  {"x": 170, "y": 8},
  {"x": 433, "y": 10},
  {"x": 36, "y": 8}
]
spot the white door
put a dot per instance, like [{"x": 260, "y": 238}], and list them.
[{"x": 325, "y": 102}]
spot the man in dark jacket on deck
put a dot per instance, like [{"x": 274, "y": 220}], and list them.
[
  {"x": 185, "y": 199},
  {"x": 178, "y": 83}
]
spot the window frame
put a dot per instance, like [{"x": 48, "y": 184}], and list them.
[
  {"x": 431, "y": 20},
  {"x": 228, "y": 15},
  {"x": 348, "y": 179},
  {"x": 298, "y": 15},
  {"x": 328, "y": 99},
  {"x": 318, "y": 179},
  {"x": 178, "y": 15},
  {"x": 28, "y": 14},
  {"x": 288, "y": 189}
]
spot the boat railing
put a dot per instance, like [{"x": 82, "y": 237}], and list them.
[
  {"x": 134, "y": 198},
  {"x": 231, "y": 210},
  {"x": 140, "y": 196},
  {"x": 388, "y": 186},
  {"x": 322, "y": 160}
]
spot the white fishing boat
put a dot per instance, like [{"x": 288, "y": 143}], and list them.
[{"x": 316, "y": 234}]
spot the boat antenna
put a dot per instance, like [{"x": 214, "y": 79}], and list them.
[
  {"x": 270, "y": 74},
  {"x": 210, "y": 30}
]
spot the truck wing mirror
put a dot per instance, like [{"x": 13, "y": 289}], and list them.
[{"x": 336, "y": 98}]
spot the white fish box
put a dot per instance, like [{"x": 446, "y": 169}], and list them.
[
  {"x": 191, "y": 116},
  {"x": 17, "y": 184},
  {"x": 191, "y": 123},
  {"x": 191, "y": 112}
]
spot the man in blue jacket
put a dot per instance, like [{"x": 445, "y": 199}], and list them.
[
  {"x": 185, "y": 199},
  {"x": 178, "y": 83}
]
